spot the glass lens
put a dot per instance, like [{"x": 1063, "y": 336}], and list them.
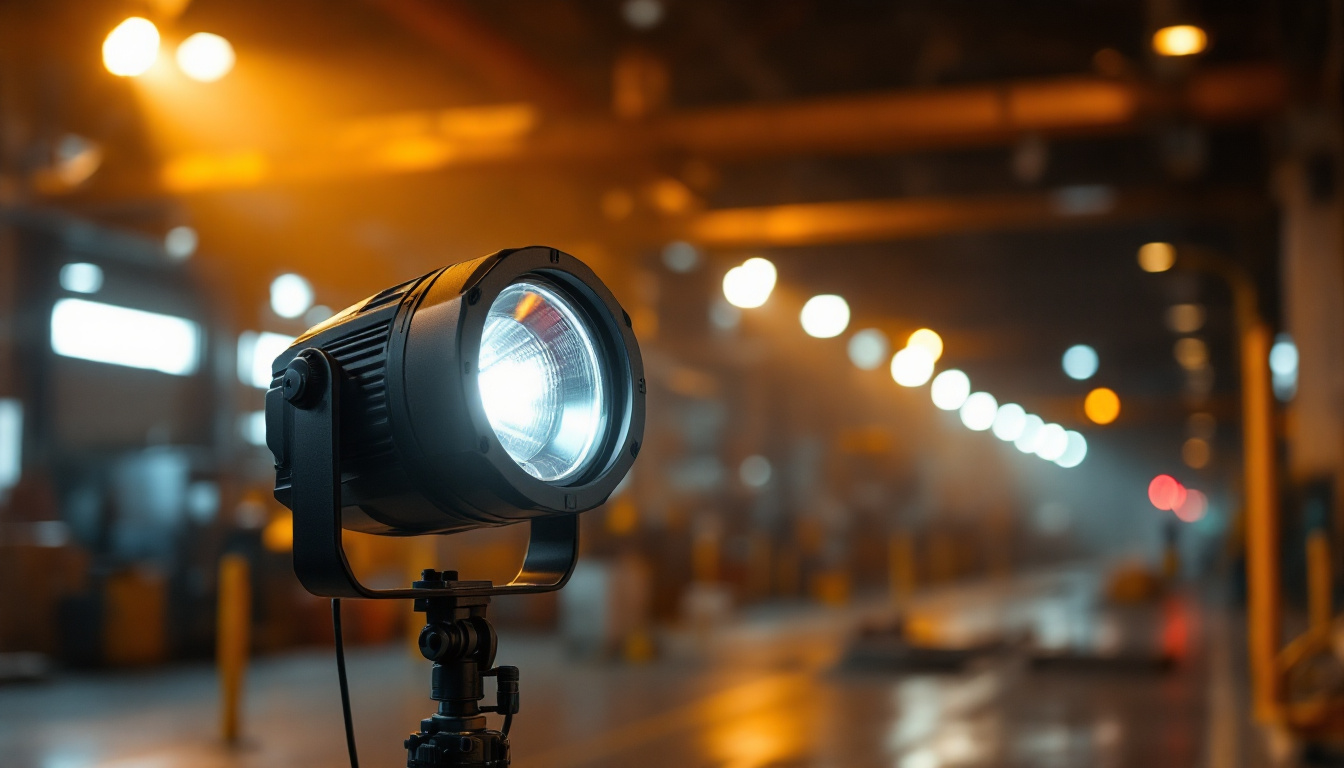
[{"x": 541, "y": 381}]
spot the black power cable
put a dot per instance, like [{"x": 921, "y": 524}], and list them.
[{"x": 345, "y": 686}]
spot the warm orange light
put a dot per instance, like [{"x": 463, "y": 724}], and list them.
[
  {"x": 671, "y": 196},
  {"x": 525, "y": 307},
  {"x": 189, "y": 173},
  {"x": 205, "y": 57},
  {"x": 132, "y": 48},
  {"x": 1157, "y": 257},
  {"x": 1180, "y": 40},
  {"x": 1195, "y": 452},
  {"x": 278, "y": 535},
  {"x": 617, "y": 204},
  {"x": 1102, "y": 405},
  {"x": 622, "y": 517},
  {"x": 929, "y": 340}
]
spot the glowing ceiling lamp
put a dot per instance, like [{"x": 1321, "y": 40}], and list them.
[
  {"x": 205, "y": 57},
  {"x": 749, "y": 285},
  {"x": 1156, "y": 257},
  {"x": 927, "y": 339},
  {"x": 131, "y": 48},
  {"x": 825, "y": 316},
  {"x": 950, "y": 389},
  {"x": 979, "y": 411},
  {"x": 868, "y": 348},
  {"x": 1180, "y": 40},
  {"x": 912, "y": 366}
]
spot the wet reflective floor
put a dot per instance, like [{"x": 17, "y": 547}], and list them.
[{"x": 776, "y": 689}]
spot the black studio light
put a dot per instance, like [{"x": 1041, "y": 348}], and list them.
[{"x": 496, "y": 391}]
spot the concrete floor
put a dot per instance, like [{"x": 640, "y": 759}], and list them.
[{"x": 764, "y": 693}]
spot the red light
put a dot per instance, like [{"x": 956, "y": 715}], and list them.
[
  {"x": 1192, "y": 507},
  {"x": 1166, "y": 493}
]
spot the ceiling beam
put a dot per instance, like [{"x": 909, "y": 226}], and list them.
[
  {"x": 519, "y": 133},
  {"x": 862, "y": 221}
]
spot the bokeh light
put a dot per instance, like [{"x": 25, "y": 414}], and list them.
[
  {"x": 1157, "y": 257},
  {"x": 927, "y": 339},
  {"x": 1165, "y": 492},
  {"x": 1009, "y": 422},
  {"x": 1193, "y": 507},
  {"x": 950, "y": 389},
  {"x": 912, "y": 366},
  {"x": 1180, "y": 40},
  {"x": 317, "y": 314},
  {"x": 180, "y": 242},
  {"x": 1191, "y": 353},
  {"x": 1195, "y": 453},
  {"x": 979, "y": 410},
  {"x": 1185, "y": 318},
  {"x": 1075, "y": 450},
  {"x": 680, "y": 256},
  {"x": 868, "y": 348},
  {"x": 825, "y": 316},
  {"x": 1102, "y": 405},
  {"x": 1283, "y": 356},
  {"x": 205, "y": 57},
  {"x": 1031, "y": 432},
  {"x": 81, "y": 277},
  {"x": 1283, "y": 360},
  {"x": 291, "y": 295},
  {"x": 1080, "y": 362},
  {"x": 724, "y": 316},
  {"x": 1051, "y": 442},
  {"x": 748, "y": 286},
  {"x": 642, "y": 14},
  {"x": 754, "y": 471},
  {"x": 131, "y": 48}
]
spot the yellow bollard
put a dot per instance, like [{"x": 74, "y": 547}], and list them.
[
  {"x": 1319, "y": 609},
  {"x": 233, "y": 633}
]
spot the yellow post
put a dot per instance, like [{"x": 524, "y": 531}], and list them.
[
  {"x": 1319, "y": 609},
  {"x": 233, "y": 633},
  {"x": 1262, "y": 520}
]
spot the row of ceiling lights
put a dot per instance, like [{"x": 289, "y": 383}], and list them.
[
  {"x": 825, "y": 316},
  {"x": 132, "y": 48}
]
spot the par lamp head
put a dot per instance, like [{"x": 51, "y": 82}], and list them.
[{"x": 499, "y": 390}]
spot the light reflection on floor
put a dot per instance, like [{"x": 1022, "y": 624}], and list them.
[{"x": 767, "y": 694}]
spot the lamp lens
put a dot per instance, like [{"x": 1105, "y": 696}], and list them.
[{"x": 541, "y": 381}]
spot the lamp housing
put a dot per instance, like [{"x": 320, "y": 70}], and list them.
[{"x": 505, "y": 389}]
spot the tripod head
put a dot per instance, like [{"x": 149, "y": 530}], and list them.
[{"x": 461, "y": 642}]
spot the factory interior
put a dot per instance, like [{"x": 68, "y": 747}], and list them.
[{"x": 929, "y": 384}]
